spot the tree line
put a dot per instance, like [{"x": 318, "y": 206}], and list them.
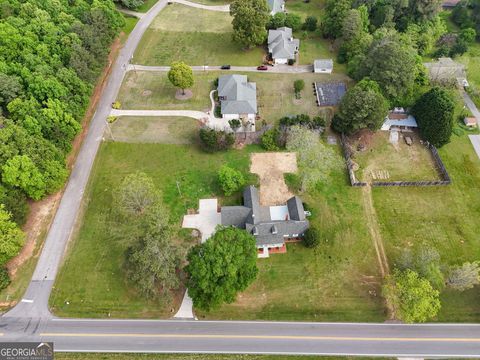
[{"x": 51, "y": 53}]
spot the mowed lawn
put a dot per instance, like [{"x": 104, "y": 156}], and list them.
[
  {"x": 92, "y": 282},
  {"x": 445, "y": 218},
  {"x": 275, "y": 93},
  {"x": 338, "y": 281},
  {"x": 196, "y": 36},
  {"x": 166, "y": 130}
]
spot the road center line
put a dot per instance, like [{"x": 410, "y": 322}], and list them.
[{"x": 266, "y": 337}]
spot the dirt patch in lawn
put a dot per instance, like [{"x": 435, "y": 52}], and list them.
[{"x": 270, "y": 168}]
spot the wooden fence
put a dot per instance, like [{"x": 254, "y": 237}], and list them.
[{"x": 439, "y": 166}]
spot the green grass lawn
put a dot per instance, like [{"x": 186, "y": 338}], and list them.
[
  {"x": 275, "y": 94},
  {"x": 196, "y": 36},
  {"x": 339, "y": 281},
  {"x": 130, "y": 22},
  {"x": 445, "y": 218},
  {"x": 166, "y": 130},
  {"x": 91, "y": 282},
  {"x": 147, "y": 4}
]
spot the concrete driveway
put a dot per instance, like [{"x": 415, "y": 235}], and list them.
[{"x": 206, "y": 220}]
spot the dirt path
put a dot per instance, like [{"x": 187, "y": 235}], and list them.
[{"x": 374, "y": 228}]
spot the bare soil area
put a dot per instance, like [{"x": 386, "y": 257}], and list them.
[{"x": 270, "y": 168}]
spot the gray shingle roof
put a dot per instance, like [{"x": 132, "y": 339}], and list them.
[
  {"x": 281, "y": 43},
  {"x": 295, "y": 209},
  {"x": 323, "y": 64},
  {"x": 276, "y": 6},
  {"x": 237, "y": 95},
  {"x": 265, "y": 230}
]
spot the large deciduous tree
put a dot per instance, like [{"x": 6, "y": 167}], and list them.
[
  {"x": 181, "y": 75},
  {"x": 250, "y": 18},
  {"x": 335, "y": 13},
  {"x": 363, "y": 106},
  {"x": 412, "y": 298},
  {"x": 153, "y": 260},
  {"x": 221, "y": 267},
  {"x": 391, "y": 64},
  {"x": 11, "y": 237},
  {"x": 230, "y": 179},
  {"x": 136, "y": 194},
  {"x": 21, "y": 172},
  {"x": 315, "y": 160},
  {"x": 434, "y": 113}
]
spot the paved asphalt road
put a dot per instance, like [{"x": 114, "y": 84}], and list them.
[
  {"x": 73, "y": 335},
  {"x": 30, "y": 320}
]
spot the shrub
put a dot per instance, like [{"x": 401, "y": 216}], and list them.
[
  {"x": 214, "y": 140},
  {"x": 291, "y": 61},
  {"x": 4, "y": 278},
  {"x": 234, "y": 124},
  {"x": 303, "y": 120},
  {"x": 310, "y": 23},
  {"x": 312, "y": 238},
  {"x": 111, "y": 119},
  {"x": 217, "y": 111},
  {"x": 116, "y": 105},
  {"x": 230, "y": 180},
  {"x": 269, "y": 140},
  {"x": 298, "y": 86},
  {"x": 293, "y": 21}
]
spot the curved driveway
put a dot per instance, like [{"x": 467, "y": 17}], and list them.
[{"x": 31, "y": 320}]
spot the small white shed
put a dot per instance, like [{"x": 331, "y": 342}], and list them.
[{"x": 323, "y": 66}]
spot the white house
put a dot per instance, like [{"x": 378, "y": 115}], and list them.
[
  {"x": 323, "y": 66},
  {"x": 238, "y": 98},
  {"x": 282, "y": 46},
  {"x": 399, "y": 119}
]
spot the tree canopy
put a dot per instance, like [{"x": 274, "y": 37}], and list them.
[
  {"x": 434, "y": 113},
  {"x": 250, "y": 19},
  {"x": 413, "y": 298},
  {"x": 230, "y": 180},
  {"x": 221, "y": 267},
  {"x": 363, "y": 106},
  {"x": 11, "y": 237},
  {"x": 181, "y": 75},
  {"x": 335, "y": 13}
]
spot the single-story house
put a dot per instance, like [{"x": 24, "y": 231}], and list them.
[
  {"x": 238, "y": 98},
  {"x": 323, "y": 66},
  {"x": 470, "y": 121},
  {"x": 271, "y": 226},
  {"x": 330, "y": 94},
  {"x": 447, "y": 71},
  {"x": 282, "y": 46},
  {"x": 276, "y": 6},
  {"x": 399, "y": 119}
]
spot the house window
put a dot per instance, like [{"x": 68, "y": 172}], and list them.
[{"x": 222, "y": 98}]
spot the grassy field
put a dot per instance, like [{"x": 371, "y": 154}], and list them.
[
  {"x": 275, "y": 94},
  {"x": 445, "y": 218},
  {"x": 339, "y": 281},
  {"x": 402, "y": 162},
  {"x": 166, "y": 130},
  {"x": 196, "y": 36},
  {"x": 91, "y": 282},
  {"x": 147, "y": 4}
]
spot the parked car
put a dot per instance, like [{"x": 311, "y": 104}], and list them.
[
  {"x": 225, "y": 67},
  {"x": 262, "y": 67}
]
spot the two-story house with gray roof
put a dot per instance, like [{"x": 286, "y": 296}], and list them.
[
  {"x": 271, "y": 226},
  {"x": 238, "y": 98},
  {"x": 282, "y": 46}
]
